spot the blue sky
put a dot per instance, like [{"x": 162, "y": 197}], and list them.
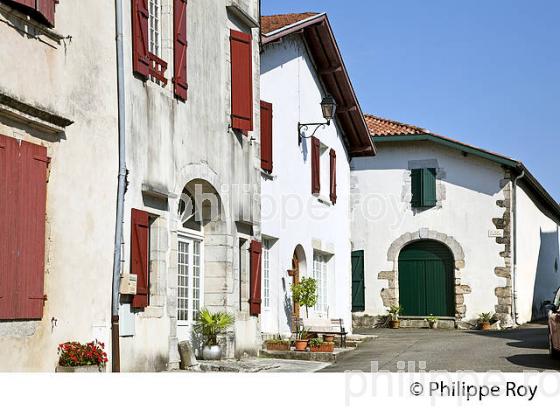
[{"x": 485, "y": 72}]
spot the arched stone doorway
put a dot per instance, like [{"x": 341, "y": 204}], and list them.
[
  {"x": 426, "y": 280},
  {"x": 391, "y": 296},
  {"x": 198, "y": 254}
]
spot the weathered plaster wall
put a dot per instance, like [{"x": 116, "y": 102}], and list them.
[
  {"x": 468, "y": 191},
  {"x": 172, "y": 143},
  {"x": 75, "y": 78},
  {"x": 291, "y": 215},
  {"x": 538, "y": 257}
]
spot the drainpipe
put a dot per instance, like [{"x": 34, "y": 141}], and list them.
[
  {"x": 117, "y": 257},
  {"x": 514, "y": 237}
]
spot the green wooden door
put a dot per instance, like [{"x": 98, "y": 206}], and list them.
[
  {"x": 426, "y": 280},
  {"x": 358, "y": 286}
]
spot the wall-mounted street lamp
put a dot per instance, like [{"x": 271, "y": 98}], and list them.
[{"x": 328, "y": 106}]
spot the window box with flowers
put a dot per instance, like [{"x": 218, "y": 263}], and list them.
[{"x": 75, "y": 357}]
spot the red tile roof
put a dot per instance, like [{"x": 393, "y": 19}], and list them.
[
  {"x": 381, "y": 127},
  {"x": 273, "y": 23}
]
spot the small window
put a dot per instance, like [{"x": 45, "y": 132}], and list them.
[
  {"x": 154, "y": 24},
  {"x": 424, "y": 188},
  {"x": 266, "y": 273}
]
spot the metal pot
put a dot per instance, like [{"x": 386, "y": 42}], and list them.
[{"x": 212, "y": 353}]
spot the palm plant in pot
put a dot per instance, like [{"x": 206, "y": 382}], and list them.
[
  {"x": 394, "y": 315},
  {"x": 210, "y": 326},
  {"x": 302, "y": 340},
  {"x": 485, "y": 320}
]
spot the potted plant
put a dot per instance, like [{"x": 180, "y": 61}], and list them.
[
  {"x": 304, "y": 293},
  {"x": 75, "y": 357},
  {"x": 394, "y": 314},
  {"x": 302, "y": 340},
  {"x": 432, "y": 321},
  {"x": 277, "y": 344},
  {"x": 328, "y": 338},
  {"x": 317, "y": 346},
  {"x": 484, "y": 320},
  {"x": 210, "y": 326}
]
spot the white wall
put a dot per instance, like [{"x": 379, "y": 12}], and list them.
[
  {"x": 467, "y": 193},
  {"x": 290, "y": 213},
  {"x": 538, "y": 264},
  {"x": 76, "y": 79}
]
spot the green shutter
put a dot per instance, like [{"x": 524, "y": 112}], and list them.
[
  {"x": 429, "y": 187},
  {"x": 424, "y": 188},
  {"x": 416, "y": 188},
  {"x": 358, "y": 286}
]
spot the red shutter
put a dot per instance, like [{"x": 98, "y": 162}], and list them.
[
  {"x": 23, "y": 185},
  {"x": 333, "y": 176},
  {"x": 139, "y": 259},
  {"x": 241, "y": 81},
  {"x": 46, "y": 9},
  {"x": 315, "y": 165},
  {"x": 140, "y": 54},
  {"x": 180, "y": 48},
  {"x": 255, "y": 250},
  {"x": 26, "y": 3},
  {"x": 266, "y": 136}
]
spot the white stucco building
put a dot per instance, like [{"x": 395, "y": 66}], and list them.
[
  {"x": 305, "y": 184},
  {"x": 192, "y": 208},
  {"x": 58, "y": 178},
  {"x": 444, "y": 228}
]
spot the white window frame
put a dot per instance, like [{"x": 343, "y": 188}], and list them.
[
  {"x": 321, "y": 275},
  {"x": 267, "y": 245},
  {"x": 155, "y": 27},
  {"x": 191, "y": 238}
]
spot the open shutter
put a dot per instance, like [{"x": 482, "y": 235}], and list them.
[
  {"x": 315, "y": 165},
  {"x": 180, "y": 49},
  {"x": 139, "y": 258},
  {"x": 26, "y": 3},
  {"x": 241, "y": 81},
  {"x": 429, "y": 187},
  {"x": 140, "y": 53},
  {"x": 358, "y": 285},
  {"x": 416, "y": 188},
  {"x": 266, "y": 136},
  {"x": 46, "y": 9},
  {"x": 22, "y": 239},
  {"x": 332, "y": 155},
  {"x": 255, "y": 250},
  {"x": 5, "y": 232}
]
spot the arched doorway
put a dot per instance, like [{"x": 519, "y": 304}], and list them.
[
  {"x": 201, "y": 225},
  {"x": 426, "y": 279},
  {"x": 298, "y": 270}
]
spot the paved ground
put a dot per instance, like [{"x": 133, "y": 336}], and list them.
[{"x": 518, "y": 350}]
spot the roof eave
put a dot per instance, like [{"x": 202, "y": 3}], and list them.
[{"x": 321, "y": 42}]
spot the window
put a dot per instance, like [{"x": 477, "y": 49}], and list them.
[
  {"x": 189, "y": 284},
  {"x": 154, "y": 32},
  {"x": 320, "y": 275},
  {"x": 424, "y": 188},
  {"x": 42, "y": 11},
  {"x": 266, "y": 273}
]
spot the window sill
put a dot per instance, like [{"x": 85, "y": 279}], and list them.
[
  {"x": 29, "y": 26},
  {"x": 324, "y": 200}
]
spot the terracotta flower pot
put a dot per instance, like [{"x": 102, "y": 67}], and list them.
[
  {"x": 395, "y": 324},
  {"x": 279, "y": 347},
  {"x": 328, "y": 339},
  {"x": 323, "y": 348},
  {"x": 301, "y": 345},
  {"x": 485, "y": 326}
]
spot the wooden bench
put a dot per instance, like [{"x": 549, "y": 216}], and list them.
[{"x": 324, "y": 327}]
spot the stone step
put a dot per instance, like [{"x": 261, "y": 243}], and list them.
[{"x": 420, "y": 323}]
